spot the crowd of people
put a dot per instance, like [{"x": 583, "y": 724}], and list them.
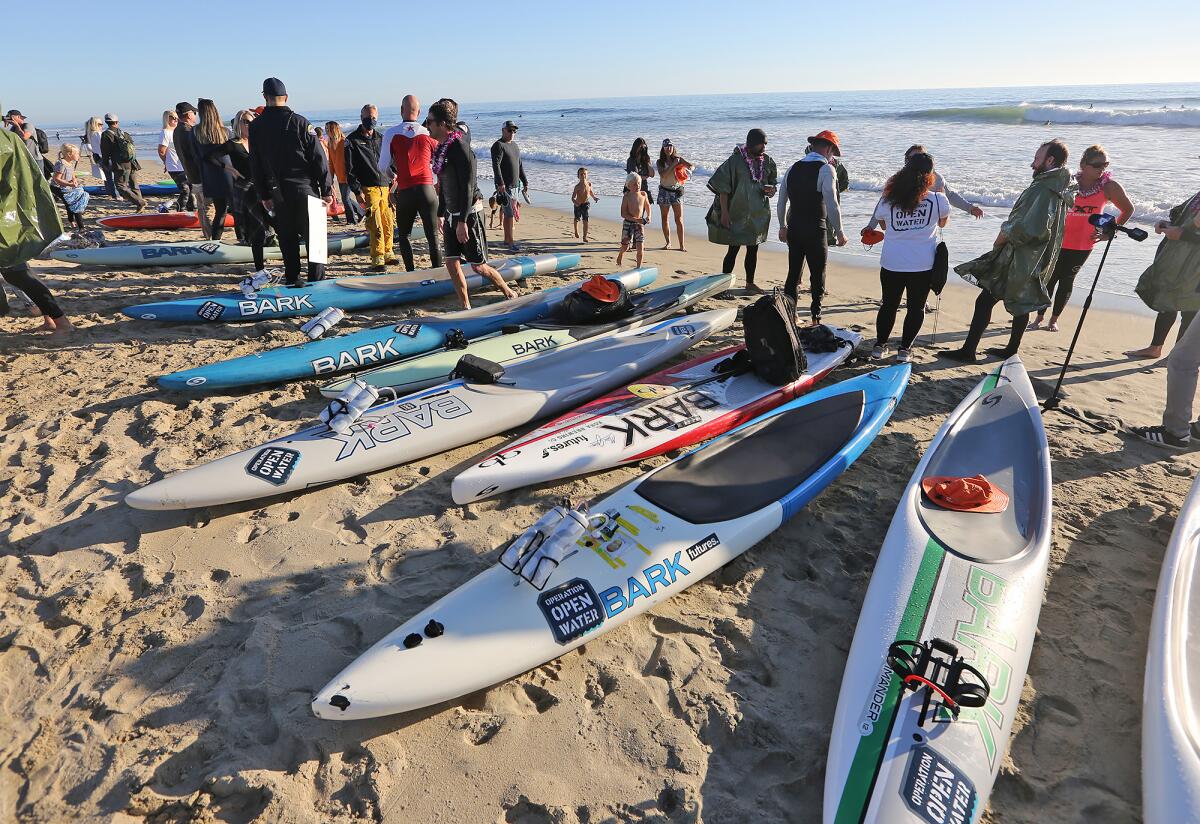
[{"x": 267, "y": 166}]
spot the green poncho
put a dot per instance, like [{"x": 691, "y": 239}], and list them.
[
  {"x": 1172, "y": 282},
  {"x": 28, "y": 217},
  {"x": 1017, "y": 271},
  {"x": 749, "y": 208}
]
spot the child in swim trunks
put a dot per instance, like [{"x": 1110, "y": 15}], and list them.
[
  {"x": 635, "y": 214},
  {"x": 579, "y": 199}
]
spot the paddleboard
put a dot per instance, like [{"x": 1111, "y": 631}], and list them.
[
  {"x": 970, "y": 585},
  {"x": 188, "y": 253},
  {"x": 1171, "y": 706},
  {"x": 350, "y": 294},
  {"x": 156, "y": 220},
  {"x": 380, "y": 344},
  {"x": 660, "y": 534},
  {"x": 147, "y": 189},
  {"x": 677, "y": 407},
  {"x": 432, "y": 421},
  {"x": 419, "y": 371}
]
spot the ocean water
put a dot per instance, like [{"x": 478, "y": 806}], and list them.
[{"x": 982, "y": 139}]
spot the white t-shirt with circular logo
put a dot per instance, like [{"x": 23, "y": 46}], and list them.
[{"x": 910, "y": 238}]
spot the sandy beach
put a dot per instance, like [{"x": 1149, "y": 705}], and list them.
[{"x": 159, "y": 665}]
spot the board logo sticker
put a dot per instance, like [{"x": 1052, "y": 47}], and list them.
[
  {"x": 196, "y": 381},
  {"x": 650, "y": 391},
  {"x": 409, "y": 329},
  {"x": 571, "y": 610},
  {"x": 684, "y": 329},
  {"x": 702, "y": 546},
  {"x": 936, "y": 790},
  {"x": 273, "y": 464},
  {"x": 210, "y": 310},
  {"x": 211, "y": 248}
]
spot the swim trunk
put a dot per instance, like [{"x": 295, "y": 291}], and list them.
[
  {"x": 669, "y": 197},
  {"x": 581, "y": 210},
  {"x": 632, "y": 233},
  {"x": 475, "y": 248},
  {"x": 509, "y": 201}
]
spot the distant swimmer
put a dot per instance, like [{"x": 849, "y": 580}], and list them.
[
  {"x": 1091, "y": 105},
  {"x": 1047, "y": 123}
]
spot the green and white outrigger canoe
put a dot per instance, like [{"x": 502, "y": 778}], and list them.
[{"x": 943, "y": 641}]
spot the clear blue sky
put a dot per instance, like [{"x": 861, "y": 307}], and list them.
[{"x": 137, "y": 58}]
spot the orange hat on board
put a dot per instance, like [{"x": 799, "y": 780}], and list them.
[
  {"x": 602, "y": 289},
  {"x": 976, "y": 494},
  {"x": 829, "y": 137}
]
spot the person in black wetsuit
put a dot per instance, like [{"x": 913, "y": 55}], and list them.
[
  {"x": 288, "y": 167},
  {"x": 807, "y": 205},
  {"x": 461, "y": 202}
]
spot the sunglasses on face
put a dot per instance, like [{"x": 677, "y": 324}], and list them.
[{"x": 1101, "y": 165}]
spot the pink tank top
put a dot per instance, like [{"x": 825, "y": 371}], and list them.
[{"x": 1078, "y": 232}]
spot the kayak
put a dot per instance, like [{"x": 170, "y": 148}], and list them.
[
  {"x": 378, "y": 344},
  {"x": 420, "y": 371},
  {"x": 147, "y": 189},
  {"x": 189, "y": 253},
  {"x": 644, "y": 543},
  {"x": 432, "y": 421},
  {"x": 677, "y": 407},
  {"x": 938, "y": 661},
  {"x": 350, "y": 294},
  {"x": 156, "y": 220},
  {"x": 1171, "y": 705}
]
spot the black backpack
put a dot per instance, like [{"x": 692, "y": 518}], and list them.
[
  {"x": 42, "y": 141},
  {"x": 773, "y": 340},
  {"x": 580, "y": 307}
]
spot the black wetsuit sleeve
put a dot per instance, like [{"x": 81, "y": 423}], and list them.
[
  {"x": 521, "y": 174},
  {"x": 457, "y": 157},
  {"x": 497, "y": 159},
  {"x": 258, "y": 166}
]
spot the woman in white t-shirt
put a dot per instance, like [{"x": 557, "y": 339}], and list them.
[{"x": 911, "y": 214}]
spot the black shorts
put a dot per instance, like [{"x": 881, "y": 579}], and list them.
[
  {"x": 581, "y": 211},
  {"x": 475, "y": 249}
]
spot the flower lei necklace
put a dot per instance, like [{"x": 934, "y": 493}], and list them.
[
  {"x": 1100, "y": 184},
  {"x": 439, "y": 155},
  {"x": 755, "y": 175}
]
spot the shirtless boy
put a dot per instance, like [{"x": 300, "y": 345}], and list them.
[
  {"x": 579, "y": 199},
  {"x": 635, "y": 214}
]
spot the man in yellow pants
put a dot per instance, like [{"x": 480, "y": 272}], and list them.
[{"x": 370, "y": 185}]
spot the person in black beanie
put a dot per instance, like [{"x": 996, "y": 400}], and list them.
[{"x": 289, "y": 166}]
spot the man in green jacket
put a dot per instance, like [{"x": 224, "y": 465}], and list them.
[
  {"x": 1168, "y": 286},
  {"x": 29, "y": 221},
  {"x": 741, "y": 211},
  {"x": 1022, "y": 258}
]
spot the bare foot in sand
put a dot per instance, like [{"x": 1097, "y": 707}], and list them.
[{"x": 1149, "y": 352}]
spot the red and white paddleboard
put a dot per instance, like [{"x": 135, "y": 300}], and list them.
[
  {"x": 177, "y": 220},
  {"x": 677, "y": 407},
  {"x": 156, "y": 220}
]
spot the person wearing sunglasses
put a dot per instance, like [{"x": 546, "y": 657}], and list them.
[{"x": 1096, "y": 190}]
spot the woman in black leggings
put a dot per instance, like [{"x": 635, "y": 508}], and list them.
[
  {"x": 911, "y": 215},
  {"x": 216, "y": 175},
  {"x": 53, "y": 319}
]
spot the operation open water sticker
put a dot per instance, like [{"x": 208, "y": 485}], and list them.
[
  {"x": 571, "y": 610},
  {"x": 273, "y": 464},
  {"x": 936, "y": 790}
]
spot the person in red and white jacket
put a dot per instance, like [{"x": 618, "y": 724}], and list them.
[{"x": 406, "y": 153}]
